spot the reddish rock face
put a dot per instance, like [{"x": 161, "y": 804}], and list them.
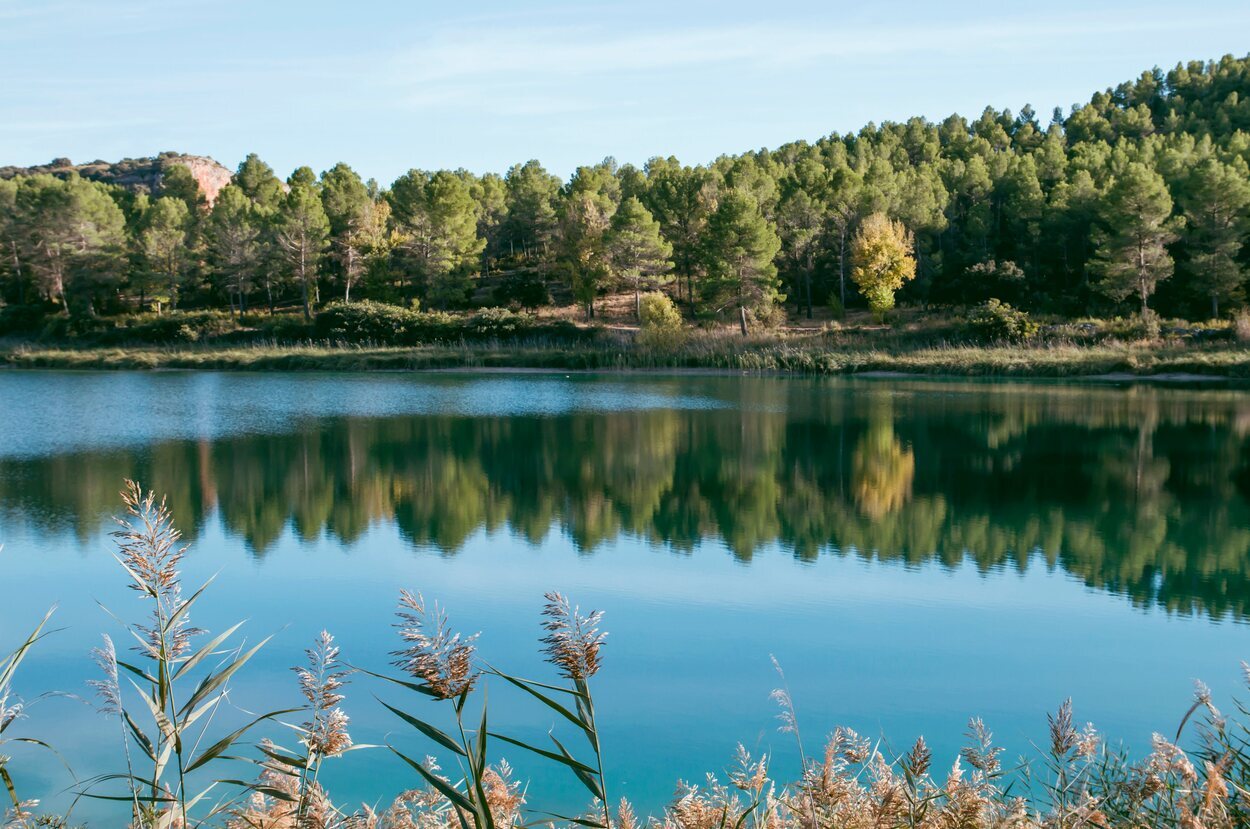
[
  {"x": 210, "y": 175},
  {"x": 138, "y": 174}
]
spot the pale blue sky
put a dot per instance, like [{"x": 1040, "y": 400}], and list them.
[{"x": 388, "y": 86}]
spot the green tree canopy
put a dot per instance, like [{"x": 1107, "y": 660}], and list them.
[
  {"x": 164, "y": 242},
  {"x": 302, "y": 230},
  {"x": 637, "y": 252},
  {"x": 739, "y": 246},
  {"x": 437, "y": 220},
  {"x": 1132, "y": 240}
]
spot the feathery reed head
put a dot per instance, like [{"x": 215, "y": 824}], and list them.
[
  {"x": 982, "y": 755},
  {"x": 147, "y": 546},
  {"x": 148, "y": 541},
  {"x": 573, "y": 641},
  {"x": 918, "y": 759},
  {"x": 8, "y": 713},
  {"x": 1063, "y": 734},
  {"x": 107, "y": 689},
  {"x": 326, "y": 733},
  {"x": 748, "y": 774},
  {"x": 441, "y": 658}
]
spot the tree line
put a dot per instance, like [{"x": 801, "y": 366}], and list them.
[{"x": 1137, "y": 201}]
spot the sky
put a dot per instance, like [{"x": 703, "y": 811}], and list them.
[{"x": 388, "y": 86}]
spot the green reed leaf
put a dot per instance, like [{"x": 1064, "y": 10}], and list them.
[{"x": 428, "y": 730}]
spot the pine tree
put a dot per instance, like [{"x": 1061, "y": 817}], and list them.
[
  {"x": 73, "y": 235},
  {"x": 680, "y": 198},
  {"x": 739, "y": 246},
  {"x": 302, "y": 231},
  {"x": 232, "y": 235},
  {"x": 531, "y": 201},
  {"x": 163, "y": 241},
  {"x": 1131, "y": 242},
  {"x": 1215, "y": 200},
  {"x": 637, "y": 253},
  {"x": 437, "y": 220},
  {"x": 350, "y": 211}
]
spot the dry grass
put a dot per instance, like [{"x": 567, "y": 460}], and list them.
[
  {"x": 810, "y": 353},
  {"x": 1077, "y": 781}
]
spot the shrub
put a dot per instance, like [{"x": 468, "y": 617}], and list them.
[
  {"x": 175, "y": 326},
  {"x": 24, "y": 319},
  {"x": 366, "y": 321},
  {"x": 766, "y": 316},
  {"x": 661, "y": 325},
  {"x": 499, "y": 323},
  {"x": 997, "y": 321},
  {"x": 524, "y": 288},
  {"x": 375, "y": 322}
]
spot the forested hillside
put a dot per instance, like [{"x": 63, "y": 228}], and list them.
[{"x": 1137, "y": 200}]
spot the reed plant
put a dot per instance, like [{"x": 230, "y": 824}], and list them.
[
  {"x": 177, "y": 683},
  {"x": 12, "y": 710}
]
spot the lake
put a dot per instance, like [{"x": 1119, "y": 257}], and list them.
[{"x": 913, "y": 553}]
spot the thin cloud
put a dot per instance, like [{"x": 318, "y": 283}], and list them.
[{"x": 575, "y": 51}]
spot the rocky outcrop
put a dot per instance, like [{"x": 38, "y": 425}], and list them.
[{"x": 138, "y": 174}]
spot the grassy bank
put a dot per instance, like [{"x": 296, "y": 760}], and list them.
[{"x": 808, "y": 355}]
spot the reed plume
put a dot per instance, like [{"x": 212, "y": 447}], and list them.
[
  {"x": 326, "y": 733},
  {"x": 435, "y": 654},
  {"x": 148, "y": 548},
  {"x": 573, "y": 641}
]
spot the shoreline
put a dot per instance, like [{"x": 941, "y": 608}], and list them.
[{"x": 1118, "y": 364}]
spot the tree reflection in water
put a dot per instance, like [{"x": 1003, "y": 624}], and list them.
[{"x": 1142, "y": 493}]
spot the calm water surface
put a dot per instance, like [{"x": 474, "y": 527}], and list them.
[{"x": 913, "y": 553}]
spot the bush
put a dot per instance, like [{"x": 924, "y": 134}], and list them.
[
  {"x": 146, "y": 329},
  {"x": 524, "y": 288},
  {"x": 499, "y": 323},
  {"x": 25, "y": 319},
  {"x": 381, "y": 324},
  {"x": 998, "y": 322},
  {"x": 661, "y": 325},
  {"x": 172, "y": 327},
  {"x": 367, "y": 322}
]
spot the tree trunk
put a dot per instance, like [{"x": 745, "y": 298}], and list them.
[
  {"x": 637, "y": 303},
  {"x": 809, "y": 293},
  {"x": 1215, "y": 306},
  {"x": 842, "y": 271},
  {"x": 17, "y": 273},
  {"x": 303, "y": 278},
  {"x": 742, "y": 318}
]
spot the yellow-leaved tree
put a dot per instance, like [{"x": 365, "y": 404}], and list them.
[{"x": 881, "y": 255}]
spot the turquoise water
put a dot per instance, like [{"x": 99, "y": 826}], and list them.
[{"x": 913, "y": 553}]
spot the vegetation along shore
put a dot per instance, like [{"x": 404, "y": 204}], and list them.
[{"x": 371, "y": 336}]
